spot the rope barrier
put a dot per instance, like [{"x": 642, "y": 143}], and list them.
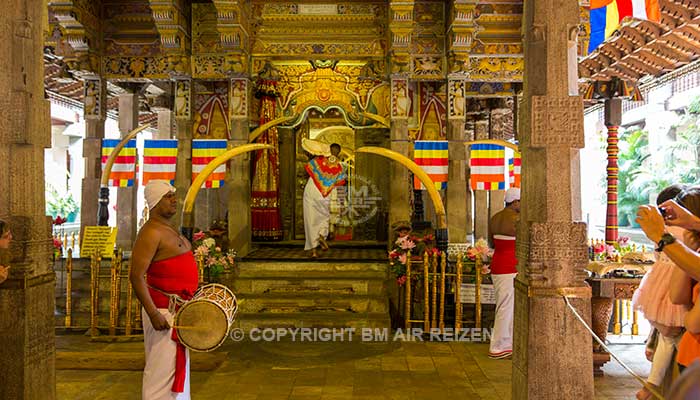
[{"x": 639, "y": 378}]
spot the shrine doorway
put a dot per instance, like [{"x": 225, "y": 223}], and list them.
[{"x": 359, "y": 211}]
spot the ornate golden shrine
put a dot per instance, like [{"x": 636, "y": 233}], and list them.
[{"x": 393, "y": 71}]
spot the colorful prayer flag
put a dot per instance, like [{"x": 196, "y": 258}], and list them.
[
  {"x": 487, "y": 165},
  {"x": 514, "y": 170},
  {"x": 606, "y": 16},
  {"x": 432, "y": 156},
  {"x": 123, "y": 171},
  {"x": 159, "y": 160},
  {"x": 203, "y": 152}
]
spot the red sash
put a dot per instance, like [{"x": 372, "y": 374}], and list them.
[
  {"x": 175, "y": 275},
  {"x": 503, "y": 260}
]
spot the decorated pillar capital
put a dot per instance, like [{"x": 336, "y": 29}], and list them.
[
  {"x": 183, "y": 98},
  {"x": 94, "y": 98}
]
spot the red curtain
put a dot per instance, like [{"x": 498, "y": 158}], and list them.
[{"x": 266, "y": 220}]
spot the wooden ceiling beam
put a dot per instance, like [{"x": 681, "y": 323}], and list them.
[
  {"x": 677, "y": 11},
  {"x": 626, "y": 71},
  {"x": 652, "y": 57},
  {"x": 670, "y": 52},
  {"x": 650, "y": 69}
]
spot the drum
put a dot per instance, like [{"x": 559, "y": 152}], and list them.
[{"x": 203, "y": 323}]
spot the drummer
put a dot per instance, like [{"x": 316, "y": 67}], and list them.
[{"x": 165, "y": 257}]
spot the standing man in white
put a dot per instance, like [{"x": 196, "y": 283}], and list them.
[
  {"x": 163, "y": 267},
  {"x": 325, "y": 173},
  {"x": 503, "y": 272}
]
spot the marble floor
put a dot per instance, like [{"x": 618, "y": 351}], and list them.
[{"x": 319, "y": 370}]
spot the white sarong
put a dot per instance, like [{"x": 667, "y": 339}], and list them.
[
  {"x": 317, "y": 215},
  {"x": 502, "y": 337},
  {"x": 159, "y": 373}
]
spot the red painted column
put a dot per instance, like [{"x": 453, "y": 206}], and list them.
[
  {"x": 612, "y": 170},
  {"x": 613, "y": 119}
]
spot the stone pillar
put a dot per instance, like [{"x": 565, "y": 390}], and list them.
[
  {"x": 481, "y": 197},
  {"x": 400, "y": 187},
  {"x": 94, "y": 114},
  {"x": 238, "y": 178},
  {"x": 288, "y": 180},
  {"x": 613, "y": 119},
  {"x": 165, "y": 125},
  {"x": 551, "y": 243},
  {"x": 27, "y": 358},
  {"x": 127, "y": 214},
  {"x": 458, "y": 218},
  {"x": 496, "y": 201},
  {"x": 183, "y": 132}
]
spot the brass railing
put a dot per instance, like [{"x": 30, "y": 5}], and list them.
[{"x": 434, "y": 294}]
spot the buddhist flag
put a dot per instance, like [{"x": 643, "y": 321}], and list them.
[
  {"x": 203, "y": 152},
  {"x": 432, "y": 158},
  {"x": 606, "y": 15},
  {"x": 514, "y": 170},
  {"x": 123, "y": 171},
  {"x": 159, "y": 160},
  {"x": 487, "y": 165}
]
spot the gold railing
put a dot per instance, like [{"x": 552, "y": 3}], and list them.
[
  {"x": 434, "y": 294},
  {"x": 116, "y": 301}
]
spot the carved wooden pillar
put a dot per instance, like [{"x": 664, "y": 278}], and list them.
[
  {"x": 27, "y": 358},
  {"x": 613, "y": 119},
  {"x": 481, "y": 197},
  {"x": 238, "y": 178},
  {"x": 94, "y": 112},
  {"x": 551, "y": 243},
  {"x": 399, "y": 193},
  {"x": 458, "y": 220},
  {"x": 127, "y": 213},
  {"x": 183, "y": 112},
  {"x": 165, "y": 125}
]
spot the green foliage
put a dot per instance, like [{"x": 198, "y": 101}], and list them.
[
  {"x": 639, "y": 179},
  {"x": 633, "y": 153}
]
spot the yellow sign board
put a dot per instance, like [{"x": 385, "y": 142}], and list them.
[{"x": 98, "y": 238}]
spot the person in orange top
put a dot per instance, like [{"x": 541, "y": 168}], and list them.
[{"x": 689, "y": 347}]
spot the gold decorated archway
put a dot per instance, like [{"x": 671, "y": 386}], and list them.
[{"x": 188, "y": 208}]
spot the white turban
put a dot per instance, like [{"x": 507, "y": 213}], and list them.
[
  {"x": 155, "y": 190},
  {"x": 512, "y": 194}
]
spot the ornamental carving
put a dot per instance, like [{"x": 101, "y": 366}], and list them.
[
  {"x": 331, "y": 49},
  {"x": 183, "y": 99},
  {"x": 557, "y": 121},
  {"x": 238, "y": 107},
  {"x": 400, "y": 99},
  {"x": 138, "y": 67},
  {"x": 555, "y": 246},
  {"x": 218, "y": 66},
  {"x": 93, "y": 99},
  {"x": 427, "y": 67},
  {"x": 509, "y": 69},
  {"x": 457, "y": 99}
]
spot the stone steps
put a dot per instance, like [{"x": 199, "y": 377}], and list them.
[{"x": 308, "y": 294}]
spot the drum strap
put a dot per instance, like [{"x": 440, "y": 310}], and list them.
[{"x": 174, "y": 302}]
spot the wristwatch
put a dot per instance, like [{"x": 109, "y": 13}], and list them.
[{"x": 665, "y": 240}]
